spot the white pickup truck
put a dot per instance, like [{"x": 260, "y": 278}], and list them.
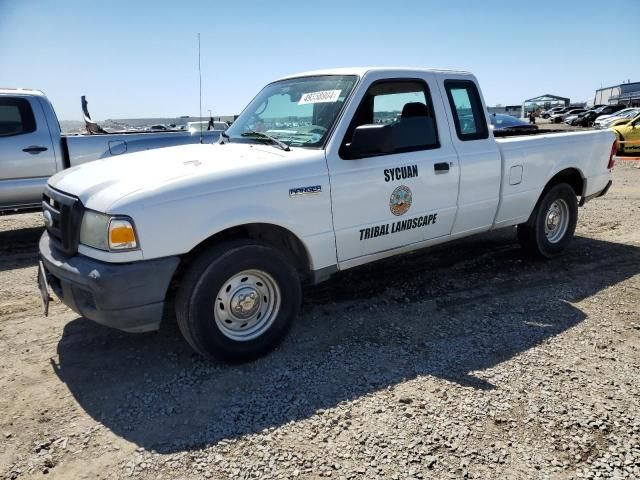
[
  {"x": 322, "y": 172},
  {"x": 32, "y": 148}
]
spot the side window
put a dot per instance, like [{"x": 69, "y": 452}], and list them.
[
  {"x": 387, "y": 107},
  {"x": 16, "y": 117},
  {"x": 468, "y": 116},
  {"x": 404, "y": 107}
]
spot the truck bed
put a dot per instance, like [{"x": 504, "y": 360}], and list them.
[{"x": 528, "y": 161}]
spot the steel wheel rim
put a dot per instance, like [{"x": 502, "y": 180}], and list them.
[
  {"x": 556, "y": 221},
  {"x": 246, "y": 305}
]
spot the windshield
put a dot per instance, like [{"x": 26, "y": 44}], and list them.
[
  {"x": 298, "y": 111},
  {"x": 627, "y": 113},
  {"x": 618, "y": 117}
]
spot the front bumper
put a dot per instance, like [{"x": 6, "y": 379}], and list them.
[{"x": 126, "y": 296}]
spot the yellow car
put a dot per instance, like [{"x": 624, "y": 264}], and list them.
[{"x": 629, "y": 132}]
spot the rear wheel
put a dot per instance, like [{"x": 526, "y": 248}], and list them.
[
  {"x": 238, "y": 300},
  {"x": 552, "y": 224}
]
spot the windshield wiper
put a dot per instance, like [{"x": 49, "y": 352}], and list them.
[
  {"x": 282, "y": 145},
  {"x": 223, "y": 136}
]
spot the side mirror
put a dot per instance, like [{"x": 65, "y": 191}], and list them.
[{"x": 368, "y": 140}]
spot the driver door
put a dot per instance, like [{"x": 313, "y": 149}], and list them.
[
  {"x": 27, "y": 157},
  {"x": 383, "y": 202}
]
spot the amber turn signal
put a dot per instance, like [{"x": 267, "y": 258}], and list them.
[{"x": 122, "y": 235}]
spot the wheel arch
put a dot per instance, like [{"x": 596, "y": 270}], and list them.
[
  {"x": 571, "y": 176},
  {"x": 281, "y": 238}
]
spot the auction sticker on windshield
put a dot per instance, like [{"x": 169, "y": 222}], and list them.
[{"x": 324, "y": 96}]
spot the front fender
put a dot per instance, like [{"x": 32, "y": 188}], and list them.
[
  {"x": 177, "y": 227},
  {"x": 318, "y": 243}
]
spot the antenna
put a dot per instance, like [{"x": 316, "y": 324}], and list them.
[{"x": 200, "y": 78}]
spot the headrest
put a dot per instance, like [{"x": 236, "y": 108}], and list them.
[{"x": 415, "y": 109}]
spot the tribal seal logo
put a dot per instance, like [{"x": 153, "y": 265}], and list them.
[{"x": 400, "y": 200}]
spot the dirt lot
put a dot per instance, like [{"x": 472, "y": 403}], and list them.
[{"x": 468, "y": 360}]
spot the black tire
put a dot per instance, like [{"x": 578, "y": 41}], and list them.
[
  {"x": 532, "y": 234},
  {"x": 197, "y": 299}
]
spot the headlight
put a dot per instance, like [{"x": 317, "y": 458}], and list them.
[
  {"x": 107, "y": 233},
  {"x": 93, "y": 231}
]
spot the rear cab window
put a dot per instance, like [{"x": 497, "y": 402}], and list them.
[
  {"x": 406, "y": 106},
  {"x": 16, "y": 117},
  {"x": 467, "y": 111}
]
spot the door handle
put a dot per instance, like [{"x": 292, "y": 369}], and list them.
[
  {"x": 34, "y": 149},
  {"x": 441, "y": 167}
]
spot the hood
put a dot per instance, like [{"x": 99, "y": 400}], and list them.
[
  {"x": 617, "y": 122},
  {"x": 101, "y": 183}
]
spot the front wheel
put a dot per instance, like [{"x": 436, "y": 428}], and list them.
[
  {"x": 238, "y": 300},
  {"x": 552, "y": 224}
]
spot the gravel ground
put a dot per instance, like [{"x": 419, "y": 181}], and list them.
[{"x": 464, "y": 361}]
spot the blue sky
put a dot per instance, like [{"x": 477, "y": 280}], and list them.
[{"x": 139, "y": 58}]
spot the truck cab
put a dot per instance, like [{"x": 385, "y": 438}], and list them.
[
  {"x": 323, "y": 171},
  {"x": 28, "y": 153}
]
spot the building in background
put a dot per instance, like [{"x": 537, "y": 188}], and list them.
[
  {"x": 544, "y": 102},
  {"x": 624, "y": 94}
]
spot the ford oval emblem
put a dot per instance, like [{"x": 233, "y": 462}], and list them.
[{"x": 48, "y": 219}]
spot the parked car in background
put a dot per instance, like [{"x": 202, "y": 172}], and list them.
[
  {"x": 574, "y": 118},
  {"x": 551, "y": 111},
  {"x": 587, "y": 119},
  {"x": 508, "y": 124},
  {"x": 621, "y": 120},
  {"x": 559, "y": 110},
  {"x": 577, "y": 119},
  {"x": 603, "y": 120},
  {"x": 559, "y": 117},
  {"x": 32, "y": 147},
  {"x": 628, "y": 135}
]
